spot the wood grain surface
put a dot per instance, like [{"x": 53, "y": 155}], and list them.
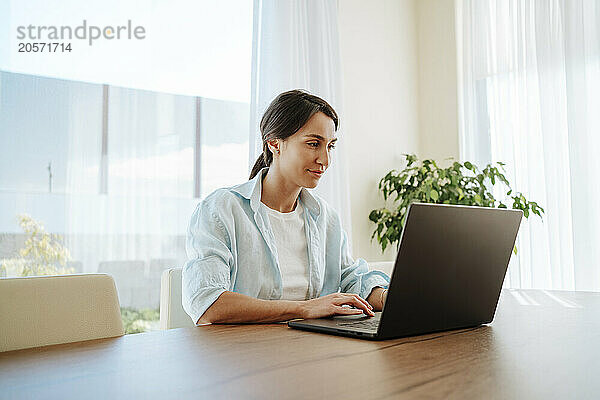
[{"x": 541, "y": 345}]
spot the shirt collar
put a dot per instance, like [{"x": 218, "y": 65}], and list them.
[{"x": 252, "y": 190}]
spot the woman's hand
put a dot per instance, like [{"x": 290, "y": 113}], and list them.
[{"x": 331, "y": 304}]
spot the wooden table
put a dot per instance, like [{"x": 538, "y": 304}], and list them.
[{"x": 540, "y": 345}]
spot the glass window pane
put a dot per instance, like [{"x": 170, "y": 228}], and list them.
[
  {"x": 49, "y": 133},
  {"x": 224, "y": 138},
  {"x": 150, "y": 143}
]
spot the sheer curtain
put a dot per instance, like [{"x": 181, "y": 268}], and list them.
[
  {"x": 149, "y": 180},
  {"x": 296, "y": 46},
  {"x": 529, "y": 77}
]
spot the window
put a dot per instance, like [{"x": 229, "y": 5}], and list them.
[
  {"x": 50, "y": 130},
  {"x": 116, "y": 172},
  {"x": 224, "y": 138},
  {"x": 151, "y": 140}
]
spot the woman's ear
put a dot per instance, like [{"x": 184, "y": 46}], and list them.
[{"x": 274, "y": 146}]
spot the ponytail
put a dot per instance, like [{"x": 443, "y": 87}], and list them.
[
  {"x": 261, "y": 162},
  {"x": 258, "y": 165},
  {"x": 264, "y": 160}
]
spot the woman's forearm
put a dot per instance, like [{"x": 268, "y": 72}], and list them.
[{"x": 234, "y": 308}]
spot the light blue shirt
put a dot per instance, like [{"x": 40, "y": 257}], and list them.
[{"x": 230, "y": 246}]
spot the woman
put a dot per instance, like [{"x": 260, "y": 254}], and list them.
[{"x": 268, "y": 250}]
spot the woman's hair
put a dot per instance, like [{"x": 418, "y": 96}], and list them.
[{"x": 285, "y": 116}]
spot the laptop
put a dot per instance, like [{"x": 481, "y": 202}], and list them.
[{"x": 448, "y": 274}]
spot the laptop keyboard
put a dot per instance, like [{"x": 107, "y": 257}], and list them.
[{"x": 371, "y": 323}]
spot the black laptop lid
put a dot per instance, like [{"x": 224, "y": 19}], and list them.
[{"x": 449, "y": 269}]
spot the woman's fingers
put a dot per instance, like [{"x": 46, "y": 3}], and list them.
[
  {"x": 354, "y": 298},
  {"x": 347, "y": 310},
  {"x": 336, "y": 303},
  {"x": 365, "y": 302},
  {"x": 357, "y": 302}
]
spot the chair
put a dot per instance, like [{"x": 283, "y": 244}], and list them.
[
  {"x": 154, "y": 276},
  {"x": 172, "y": 314},
  {"x": 44, "y": 310}
]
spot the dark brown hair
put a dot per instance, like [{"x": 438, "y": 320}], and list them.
[{"x": 285, "y": 116}]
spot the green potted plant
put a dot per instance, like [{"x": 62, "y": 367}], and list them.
[{"x": 425, "y": 182}]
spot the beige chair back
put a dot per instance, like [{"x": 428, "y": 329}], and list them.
[
  {"x": 45, "y": 310},
  {"x": 172, "y": 314}
]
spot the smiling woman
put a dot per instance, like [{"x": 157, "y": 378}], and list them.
[
  {"x": 268, "y": 250},
  {"x": 298, "y": 135},
  {"x": 295, "y": 156},
  {"x": 290, "y": 113}
]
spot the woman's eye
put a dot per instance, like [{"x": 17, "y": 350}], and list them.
[{"x": 315, "y": 145}]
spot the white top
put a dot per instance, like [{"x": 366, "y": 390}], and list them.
[{"x": 292, "y": 251}]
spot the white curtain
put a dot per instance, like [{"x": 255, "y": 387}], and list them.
[
  {"x": 149, "y": 180},
  {"x": 296, "y": 46},
  {"x": 137, "y": 227},
  {"x": 529, "y": 87}
]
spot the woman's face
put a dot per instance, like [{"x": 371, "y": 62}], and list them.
[{"x": 305, "y": 155}]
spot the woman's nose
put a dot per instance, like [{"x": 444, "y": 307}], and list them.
[{"x": 324, "y": 158}]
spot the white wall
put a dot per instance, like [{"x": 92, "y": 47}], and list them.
[
  {"x": 399, "y": 86},
  {"x": 380, "y": 116}
]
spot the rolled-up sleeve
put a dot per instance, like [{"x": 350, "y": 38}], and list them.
[
  {"x": 207, "y": 274},
  {"x": 356, "y": 277}
]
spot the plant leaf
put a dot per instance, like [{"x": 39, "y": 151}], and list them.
[{"x": 434, "y": 195}]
